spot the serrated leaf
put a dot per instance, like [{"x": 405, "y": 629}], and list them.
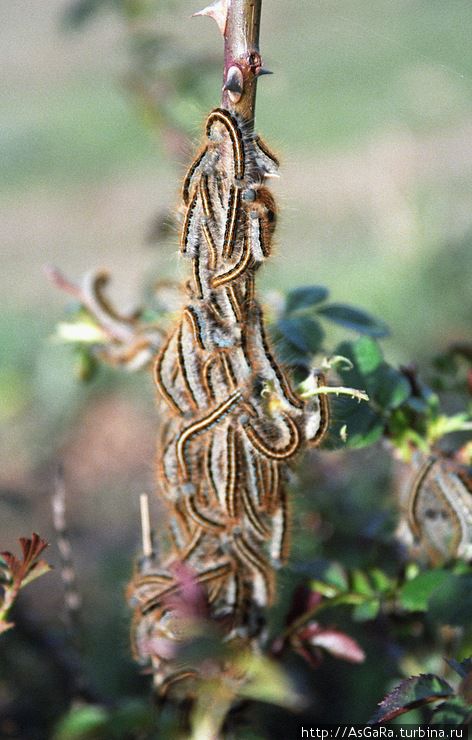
[
  {"x": 305, "y": 297},
  {"x": 366, "y": 611},
  {"x": 410, "y": 693},
  {"x": 415, "y": 594},
  {"x": 354, "y": 319},
  {"x": 302, "y": 332}
]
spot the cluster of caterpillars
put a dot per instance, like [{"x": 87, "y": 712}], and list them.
[{"x": 230, "y": 422}]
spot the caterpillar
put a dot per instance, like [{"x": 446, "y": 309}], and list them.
[{"x": 230, "y": 421}]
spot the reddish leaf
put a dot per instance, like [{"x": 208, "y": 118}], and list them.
[
  {"x": 31, "y": 549},
  {"x": 337, "y": 643},
  {"x": 13, "y": 565},
  {"x": 190, "y": 601},
  {"x": 413, "y": 692}
]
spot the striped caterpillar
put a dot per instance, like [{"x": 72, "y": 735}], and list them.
[
  {"x": 230, "y": 421},
  {"x": 436, "y": 509}
]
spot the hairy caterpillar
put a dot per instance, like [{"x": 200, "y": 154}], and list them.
[
  {"x": 230, "y": 421},
  {"x": 436, "y": 504}
]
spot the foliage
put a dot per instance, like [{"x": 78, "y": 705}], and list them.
[
  {"x": 402, "y": 407},
  {"x": 349, "y": 585},
  {"x": 407, "y": 414},
  {"x": 419, "y": 691},
  {"x": 15, "y": 573}
]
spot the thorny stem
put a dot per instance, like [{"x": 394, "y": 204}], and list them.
[
  {"x": 241, "y": 50},
  {"x": 239, "y": 23}
]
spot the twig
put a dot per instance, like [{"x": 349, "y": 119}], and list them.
[
  {"x": 241, "y": 52},
  {"x": 146, "y": 525},
  {"x": 239, "y": 24},
  {"x": 72, "y": 596}
]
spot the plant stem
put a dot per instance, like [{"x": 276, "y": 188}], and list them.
[{"x": 241, "y": 50}]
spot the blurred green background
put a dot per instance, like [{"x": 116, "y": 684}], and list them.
[{"x": 370, "y": 108}]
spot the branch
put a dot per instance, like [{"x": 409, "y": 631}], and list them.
[{"x": 239, "y": 23}]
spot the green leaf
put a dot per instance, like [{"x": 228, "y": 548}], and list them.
[
  {"x": 388, "y": 387},
  {"x": 336, "y": 575},
  {"x": 412, "y": 692},
  {"x": 325, "y": 589},
  {"x": 302, "y": 332},
  {"x": 266, "y": 681},
  {"x": 366, "y": 611},
  {"x": 83, "y": 723},
  {"x": 305, "y": 297},
  {"x": 367, "y": 355},
  {"x": 40, "y": 568},
  {"x": 415, "y": 594},
  {"x": 354, "y": 319},
  {"x": 360, "y": 583},
  {"x": 381, "y": 581},
  {"x": 130, "y": 718},
  {"x": 364, "y": 425},
  {"x": 287, "y": 353},
  {"x": 452, "y": 603},
  {"x": 454, "y": 711}
]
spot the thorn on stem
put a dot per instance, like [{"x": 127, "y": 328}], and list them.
[
  {"x": 218, "y": 11},
  {"x": 234, "y": 84}
]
